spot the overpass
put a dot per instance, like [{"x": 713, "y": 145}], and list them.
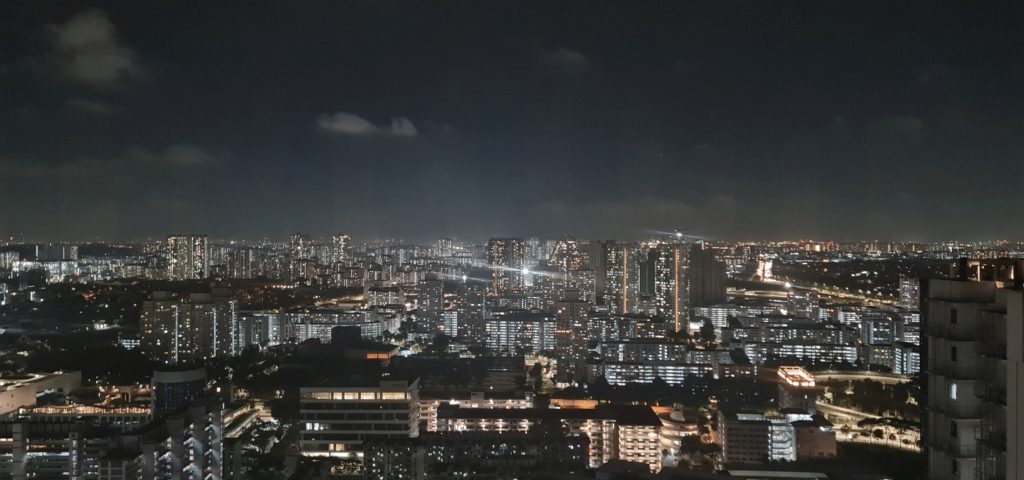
[{"x": 858, "y": 375}]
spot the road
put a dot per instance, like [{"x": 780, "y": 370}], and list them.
[
  {"x": 886, "y": 378},
  {"x": 857, "y": 415},
  {"x": 847, "y": 430},
  {"x": 835, "y": 292}
]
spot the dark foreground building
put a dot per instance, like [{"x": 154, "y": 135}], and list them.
[
  {"x": 973, "y": 364},
  {"x": 492, "y": 455}
]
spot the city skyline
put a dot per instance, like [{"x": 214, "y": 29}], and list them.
[
  {"x": 510, "y": 120},
  {"x": 429, "y": 240},
  {"x": 16, "y": 239}
]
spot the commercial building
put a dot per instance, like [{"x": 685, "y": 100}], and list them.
[
  {"x": 764, "y": 438},
  {"x": 339, "y": 415},
  {"x": 797, "y": 389}
]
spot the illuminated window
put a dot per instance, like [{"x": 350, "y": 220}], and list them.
[
  {"x": 952, "y": 391},
  {"x": 367, "y": 395},
  {"x": 392, "y": 396},
  {"x": 351, "y": 396}
]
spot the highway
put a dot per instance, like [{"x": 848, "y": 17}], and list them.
[
  {"x": 857, "y": 415},
  {"x": 856, "y": 376}
]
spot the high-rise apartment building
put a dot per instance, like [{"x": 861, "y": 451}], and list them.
[
  {"x": 430, "y": 302},
  {"x": 161, "y": 327},
  {"x": 300, "y": 246},
  {"x": 445, "y": 247},
  {"x": 173, "y": 330},
  {"x": 972, "y": 354},
  {"x": 300, "y": 249},
  {"x": 340, "y": 248},
  {"x": 670, "y": 282},
  {"x": 521, "y": 331},
  {"x": 241, "y": 263},
  {"x": 621, "y": 282},
  {"x": 705, "y": 277},
  {"x": 471, "y": 306},
  {"x": 506, "y": 259},
  {"x": 910, "y": 293},
  {"x": 188, "y": 257}
]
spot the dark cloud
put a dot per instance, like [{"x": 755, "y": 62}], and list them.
[
  {"x": 566, "y": 59},
  {"x": 97, "y": 107},
  {"x": 900, "y": 128},
  {"x": 352, "y": 124},
  {"x": 86, "y": 48},
  {"x": 179, "y": 155},
  {"x": 742, "y": 120}
]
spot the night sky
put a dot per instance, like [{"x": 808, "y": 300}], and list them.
[{"x": 760, "y": 120}]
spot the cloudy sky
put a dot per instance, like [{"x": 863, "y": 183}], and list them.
[{"x": 742, "y": 120}]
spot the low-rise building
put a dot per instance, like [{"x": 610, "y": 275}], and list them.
[
  {"x": 616, "y": 432},
  {"x": 21, "y": 391},
  {"x": 762, "y": 438}
]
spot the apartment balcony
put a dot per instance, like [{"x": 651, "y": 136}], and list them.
[
  {"x": 991, "y": 393},
  {"x": 992, "y": 335},
  {"x": 954, "y": 371},
  {"x": 992, "y": 441},
  {"x": 961, "y": 333},
  {"x": 991, "y": 463},
  {"x": 956, "y": 447},
  {"x": 962, "y": 410}
]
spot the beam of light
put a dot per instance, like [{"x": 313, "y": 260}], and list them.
[
  {"x": 463, "y": 278},
  {"x": 679, "y": 234}
]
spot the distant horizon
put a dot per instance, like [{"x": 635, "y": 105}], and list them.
[{"x": 6, "y": 241}]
